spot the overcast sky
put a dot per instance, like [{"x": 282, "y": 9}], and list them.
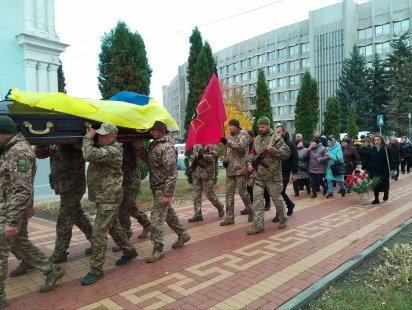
[{"x": 165, "y": 27}]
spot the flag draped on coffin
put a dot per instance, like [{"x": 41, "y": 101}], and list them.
[
  {"x": 207, "y": 124},
  {"x": 140, "y": 114}
]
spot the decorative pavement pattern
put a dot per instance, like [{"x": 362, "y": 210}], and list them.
[{"x": 221, "y": 267}]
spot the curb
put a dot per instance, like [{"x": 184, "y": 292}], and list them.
[{"x": 316, "y": 289}]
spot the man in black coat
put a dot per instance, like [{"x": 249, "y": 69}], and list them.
[{"x": 289, "y": 165}]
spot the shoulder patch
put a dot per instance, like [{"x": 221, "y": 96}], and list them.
[{"x": 22, "y": 165}]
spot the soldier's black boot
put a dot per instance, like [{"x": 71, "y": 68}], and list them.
[
  {"x": 21, "y": 269},
  {"x": 59, "y": 258},
  {"x": 221, "y": 211},
  {"x": 196, "y": 218},
  {"x": 126, "y": 258},
  {"x": 245, "y": 211}
]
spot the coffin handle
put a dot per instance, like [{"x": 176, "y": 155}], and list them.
[
  {"x": 38, "y": 132},
  {"x": 87, "y": 124}
]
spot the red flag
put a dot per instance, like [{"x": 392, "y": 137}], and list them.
[{"x": 209, "y": 118}]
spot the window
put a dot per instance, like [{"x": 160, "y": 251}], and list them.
[
  {"x": 243, "y": 64},
  {"x": 261, "y": 59},
  {"x": 365, "y": 50},
  {"x": 294, "y": 94},
  {"x": 294, "y": 50},
  {"x": 282, "y": 82},
  {"x": 271, "y": 56},
  {"x": 272, "y": 84},
  {"x": 305, "y": 47},
  {"x": 365, "y": 33},
  {"x": 283, "y": 110},
  {"x": 244, "y": 76},
  {"x": 230, "y": 80},
  {"x": 294, "y": 65},
  {"x": 252, "y": 62},
  {"x": 305, "y": 63},
  {"x": 283, "y": 96},
  {"x": 282, "y": 53},
  {"x": 271, "y": 69},
  {"x": 236, "y": 66},
  {"x": 237, "y": 78},
  {"x": 230, "y": 69},
  {"x": 272, "y": 97},
  {"x": 294, "y": 79},
  {"x": 283, "y": 67},
  {"x": 382, "y": 30},
  {"x": 292, "y": 109},
  {"x": 384, "y": 47},
  {"x": 223, "y": 71},
  {"x": 401, "y": 26},
  {"x": 252, "y": 75}
]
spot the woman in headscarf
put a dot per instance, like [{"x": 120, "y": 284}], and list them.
[{"x": 334, "y": 152}]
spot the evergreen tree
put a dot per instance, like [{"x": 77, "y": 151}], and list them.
[
  {"x": 354, "y": 87},
  {"x": 379, "y": 92},
  {"x": 123, "y": 64},
  {"x": 61, "y": 80},
  {"x": 399, "y": 79},
  {"x": 263, "y": 107},
  {"x": 307, "y": 106},
  {"x": 331, "y": 124},
  {"x": 352, "y": 124}
]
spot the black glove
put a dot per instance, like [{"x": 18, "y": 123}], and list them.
[
  {"x": 256, "y": 162},
  {"x": 200, "y": 156},
  {"x": 225, "y": 163},
  {"x": 223, "y": 140}
]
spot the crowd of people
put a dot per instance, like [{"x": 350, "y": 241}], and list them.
[{"x": 259, "y": 167}]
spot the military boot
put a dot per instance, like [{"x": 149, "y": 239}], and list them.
[
  {"x": 183, "y": 238},
  {"x": 282, "y": 223},
  {"x": 88, "y": 251},
  {"x": 58, "y": 258},
  {"x": 196, "y": 218},
  {"x": 126, "y": 258},
  {"x": 51, "y": 279},
  {"x": 92, "y": 277},
  {"x": 21, "y": 269},
  {"x": 145, "y": 232},
  {"x": 221, "y": 211},
  {"x": 227, "y": 221},
  {"x": 253, "y": 230},
  {"x": 245, "y": 211},
  {"x": 156, "y": 255}
]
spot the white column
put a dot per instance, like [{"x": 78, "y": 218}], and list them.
[
  {"x": 41, "y": 15},
  {"x": 29, "y": 15},
  {"x": 52, "y": 75},
  {"x": 30, "y": 68},
  {"x": 50, "y": 18},
  {"x": 42, "y": 79}
]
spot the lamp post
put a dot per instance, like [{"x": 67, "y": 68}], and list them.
[{"x": 410, "y": 134}]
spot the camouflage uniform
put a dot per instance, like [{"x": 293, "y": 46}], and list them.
[
  {"x": 17, "y": 171},
  {"x": 104, "y": 181},
  {"x": 203, "y": 176},
  {"x": 162, "y": 159},
  {"x": 269, "y": 178},
  {"x": 236, "y": 156},
  {"x": 131, "y": 184},
  {"x": 67, "y": 178}
]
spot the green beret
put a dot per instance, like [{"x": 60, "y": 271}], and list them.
[{"x": 263, "y": 120}]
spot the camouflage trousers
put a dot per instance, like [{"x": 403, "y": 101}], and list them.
[
  {"x": 70, "y": 213},
  {"x": 274, "y": 189},
  {"x": 128, "y": 208},
  {"x": 160, "y": 214},
  {"x": 107, "y": 222},
  {"x": 21, "y": 246},
  {"x": 199, "y": 186},
  {"x": 233, "y": 184}
]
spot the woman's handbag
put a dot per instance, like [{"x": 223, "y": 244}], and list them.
[
  {"x": 303, "y": 165},
  {"x": 338, "y": 168}
]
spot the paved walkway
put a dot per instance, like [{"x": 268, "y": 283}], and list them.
[{"x": 221, "y": 267}]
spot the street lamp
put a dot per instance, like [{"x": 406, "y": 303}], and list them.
[{"x": 410, "y": 135}]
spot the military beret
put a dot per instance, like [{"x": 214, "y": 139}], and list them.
[
  {"x": 7, "y": 126},
  {"x": 263, "y": 120}
]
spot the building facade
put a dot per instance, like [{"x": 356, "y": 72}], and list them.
[
  {"x": 318, "y": 45},
  {"x": 30, "y": 47}
]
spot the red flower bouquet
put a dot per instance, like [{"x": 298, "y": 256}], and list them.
[{"x": 360, "y": 182}]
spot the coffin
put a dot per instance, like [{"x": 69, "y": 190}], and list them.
[{"x": 41, "y": 126}]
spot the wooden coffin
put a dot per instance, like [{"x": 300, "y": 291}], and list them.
[{"x": 42, "y": 126}]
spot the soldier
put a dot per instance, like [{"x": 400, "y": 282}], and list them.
[
  {"x": 17, "y": 171},
  {"x": 202, "y": 169},
  {"x": 266, "y": 164},
  {"x": 162, "y": 159},
  {"x": 104, "y": 180},
  {"x": 236, "y": 149},
  {"x": 131, "y": 183}
]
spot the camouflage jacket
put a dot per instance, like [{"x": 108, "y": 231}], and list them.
[
  {"x": 272, "y": 161},
  {"x": 17, "y": 171},
  {"x": 131, "y": 168},
  {"x": 236, "y": 153},
  {"x": 104, "y": 175},
  {"x": 162, "y": 160},
  {"x": 67, "y": 165},
  {"x": 205, "y": 168}
]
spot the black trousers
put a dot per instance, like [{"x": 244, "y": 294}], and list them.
[
  {"x": 265, "y": 195},
  {"x": 406, "y": 162},
  {"x": 316, "y": 181},
  {"x": 301, "y": 183},
  {"x": 285, "y": 180}
]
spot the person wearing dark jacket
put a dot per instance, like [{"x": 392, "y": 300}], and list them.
[
  {"x": 376, "y": 162},
  {"x": 289, "y": 165},
  {"x": 394, "y": 148},
  {"x": 367, "y": 146},
  {"x": 406, "y": 151},
  {"x": 322, "y": 139},
  {"x": 350, "y": 157}
]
